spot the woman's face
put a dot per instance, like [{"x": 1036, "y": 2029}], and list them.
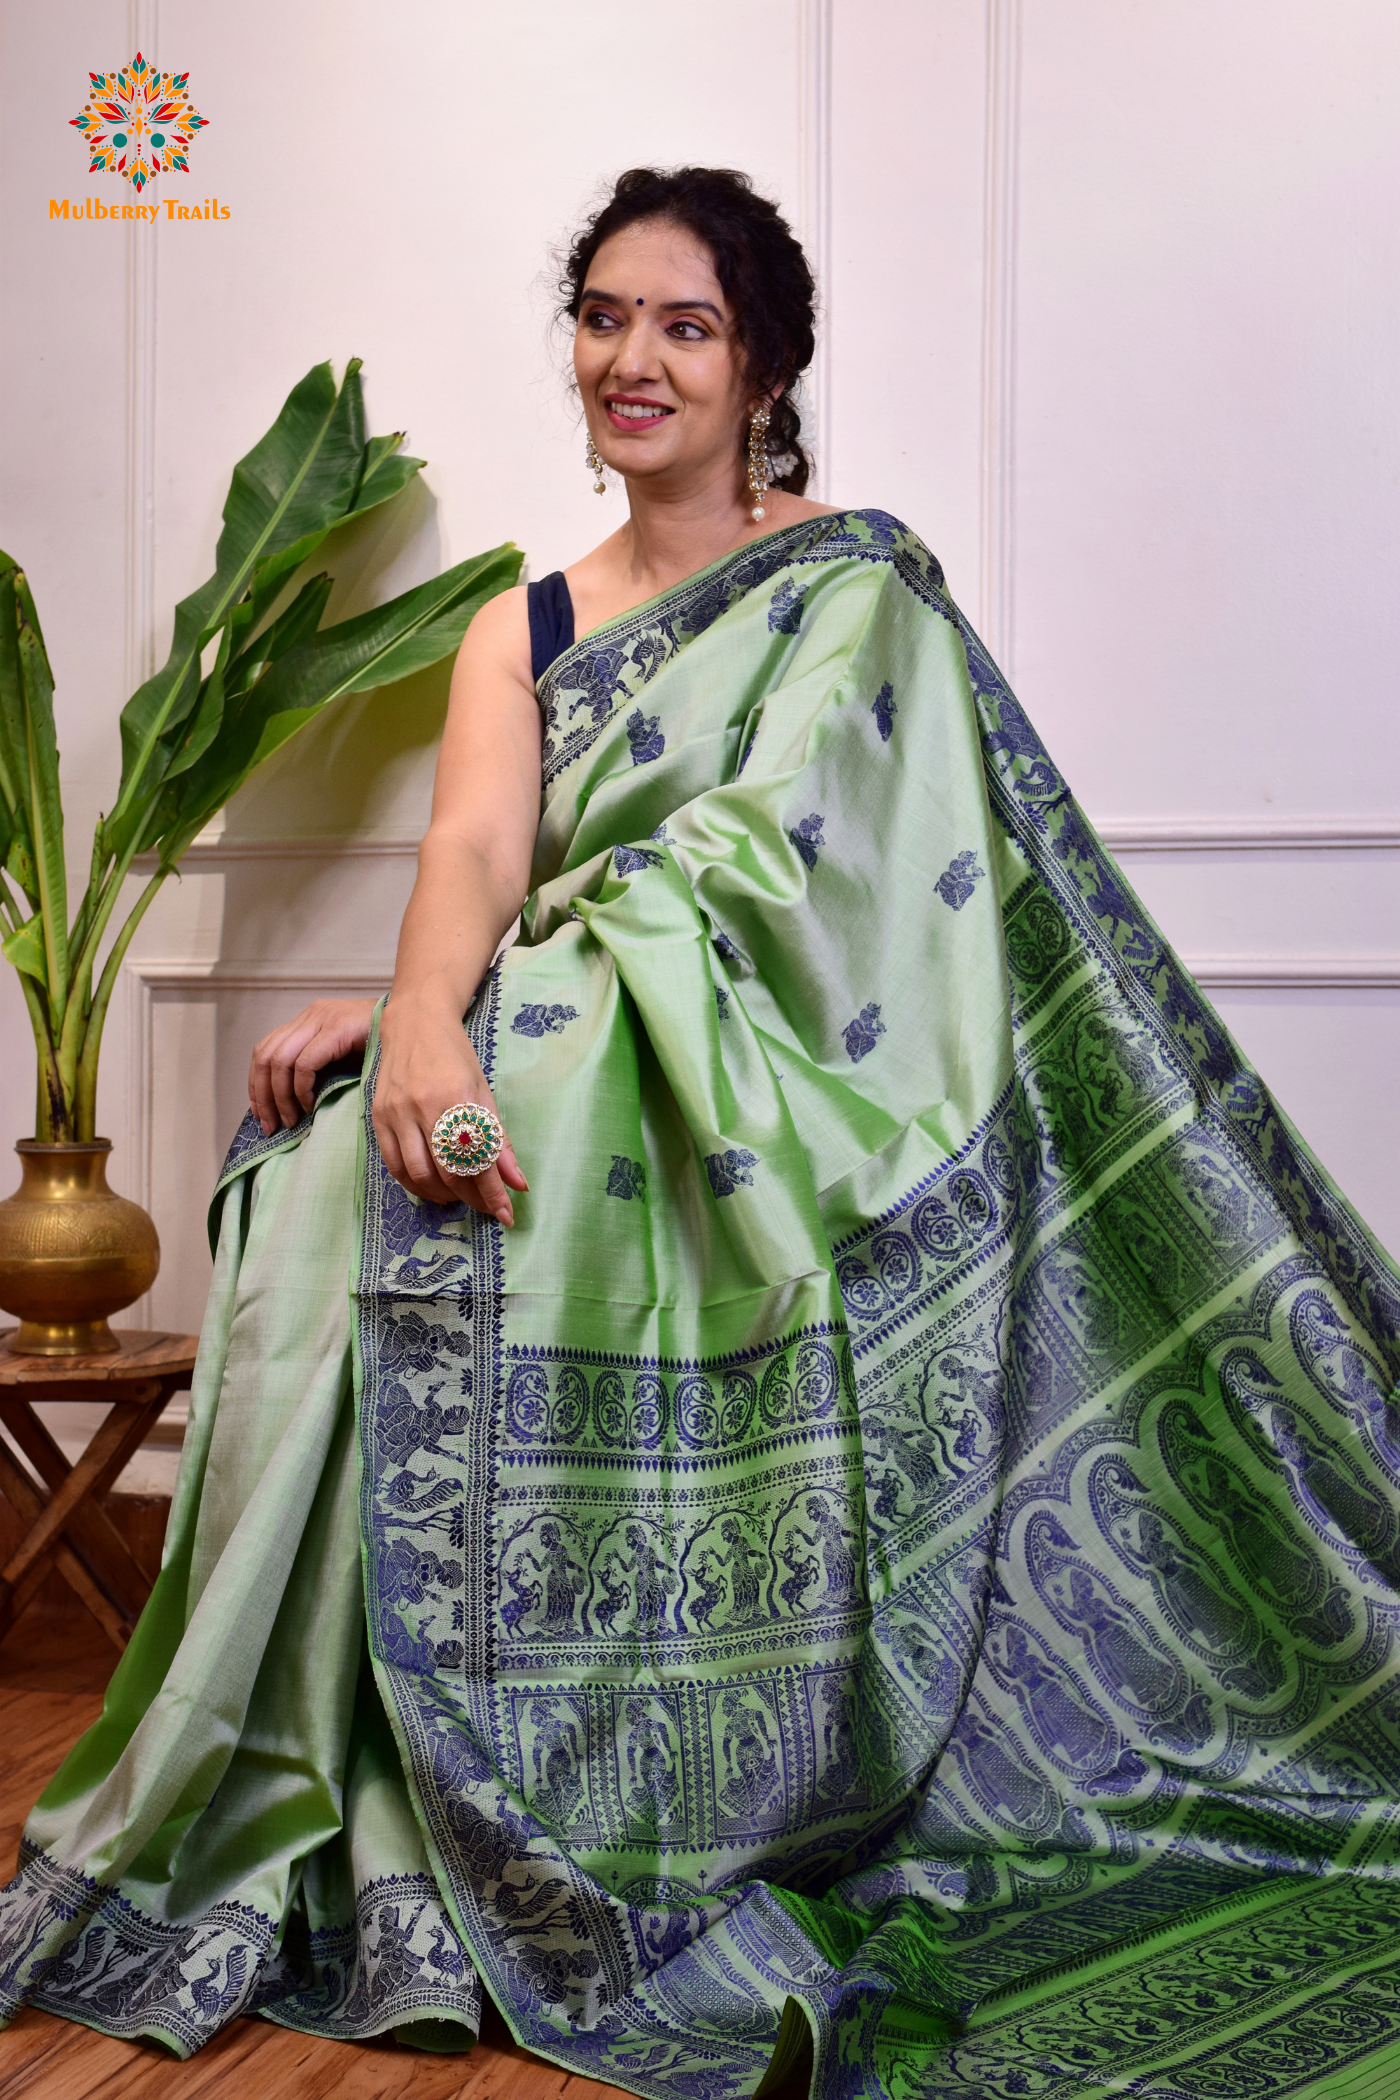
[{"x": 658, "y": 367}]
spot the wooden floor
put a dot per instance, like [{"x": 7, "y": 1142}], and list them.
[{"x": 53, "y": 1669}]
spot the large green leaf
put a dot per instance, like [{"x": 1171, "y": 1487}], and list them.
[
  {"x": 13, "y": 767},
  {"x": 412, "y": 631},
  {"x": 303, "y": 478},
  {"x": 297, "y": 624},
  {"x": 201, "y": 725},
  {"x": 25, "y": 948},
  {"x": 386, "y": 471},
  {"x": 298, "y": 481},
  {"x": 44, "y": 804},
  {"x": 293, "y": 626}
]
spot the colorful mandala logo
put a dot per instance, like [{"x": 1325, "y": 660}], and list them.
[{"x": 138, "y": 123}]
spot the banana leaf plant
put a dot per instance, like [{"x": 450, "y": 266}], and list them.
[{"x": 191, "y": 736}]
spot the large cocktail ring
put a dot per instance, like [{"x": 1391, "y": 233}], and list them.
[{"x": 467, "y": 1139}]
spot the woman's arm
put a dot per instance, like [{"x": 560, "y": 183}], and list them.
[
  {"x": 473, "y": 876},
  {"x": 473, "y": 873}
]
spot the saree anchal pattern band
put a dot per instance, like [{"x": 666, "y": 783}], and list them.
[{"x": 900, "y": 1543}]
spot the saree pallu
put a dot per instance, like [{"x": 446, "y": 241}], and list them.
[{"x": 901, "y": 1541}]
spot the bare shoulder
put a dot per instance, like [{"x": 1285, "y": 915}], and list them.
[
  {"x": 600, "y": 562},
  {"x": 498, "y": 638},
  {"x": 784, "y": 509}
]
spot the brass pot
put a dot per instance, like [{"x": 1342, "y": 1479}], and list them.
[{"x": 71, "y": 1251}]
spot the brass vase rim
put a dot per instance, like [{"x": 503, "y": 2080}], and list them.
[{"x": 95, "y": 1144}]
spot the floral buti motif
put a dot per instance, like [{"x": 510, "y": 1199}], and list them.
[
  {"x": 644, "y": 736},
  {"x": 730, "y": 1170},
  {"x": 543, "y": 1020},
  {"x": 785, "y": 611},
  {"x": 627, "y": 1178},
  {"x": 635, "y": 860},
  {"x": 860, "y": 1036},
  {"x": 807, "y": 839},
  {"x": 958, "y": 881}
]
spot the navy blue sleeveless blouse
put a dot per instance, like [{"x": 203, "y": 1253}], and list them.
[{"x": 551, "y": 611}]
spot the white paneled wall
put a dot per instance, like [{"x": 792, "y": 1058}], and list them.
[{"x": 1112, "y": 307}]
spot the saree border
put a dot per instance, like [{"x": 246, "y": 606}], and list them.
[
  {"x": 624, "y": 655},
  {"x": 251, "y": 1145},
  {"x": 1033, "y": 802}
]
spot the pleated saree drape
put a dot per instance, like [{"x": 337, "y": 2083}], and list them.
[{"x": 902, "y": 1539}]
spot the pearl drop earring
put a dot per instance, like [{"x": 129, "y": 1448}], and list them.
[{"x": 760, "y": 479}]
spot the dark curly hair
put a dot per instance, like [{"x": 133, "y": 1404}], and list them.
[{"x": 762, "y": 271}]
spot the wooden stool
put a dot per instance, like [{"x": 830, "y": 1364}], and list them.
[{"x": 68, "y": 1528}]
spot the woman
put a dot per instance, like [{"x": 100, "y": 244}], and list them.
[{"x": 902, "y": 1236}]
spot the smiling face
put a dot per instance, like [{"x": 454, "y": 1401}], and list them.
[{"x": 659, "y": 369}]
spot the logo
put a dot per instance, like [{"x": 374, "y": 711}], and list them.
[{"x": 138, "y": 123}]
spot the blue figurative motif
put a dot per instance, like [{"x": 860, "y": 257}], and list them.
[
  {"x": 543, "y": 1020},
  {"x": 562, "y": 1581},
  {"x": 635, "y": 860},
  {"x": 722, "y": 1001},
  {"x": 627, "y": 1178},
  {"x": 785, "y": 608},
  {"x": 861, "y": 1035},
  {"x": 884, "y": 709},
  {"x": 730, "y": 1170},
  {"x": 958, "y": 881},
  {"x": 807, "y": 838},
  {"x": 645, "y": 737},
  {"x": 750, "y": 1758}
]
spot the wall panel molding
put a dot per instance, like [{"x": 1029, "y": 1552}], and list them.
[
  {"x": 814, "y": 65},
  {"x": 1297, "y": 973},
  {"x": 1124, "y": 835},
  {"x": 1340, "y": 834},
  {"x": 219, "y": 852},
  {"x": 142, "y": 269},
  {"x": 996, "y": 606}
]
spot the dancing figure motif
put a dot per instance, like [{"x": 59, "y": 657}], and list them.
[{"x": 829, "y": 1537}]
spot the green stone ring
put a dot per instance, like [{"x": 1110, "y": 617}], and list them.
[{"x": 467, "y": 1139}]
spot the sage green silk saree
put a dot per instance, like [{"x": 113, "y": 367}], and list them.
[{"x": 901, "y": 1541}]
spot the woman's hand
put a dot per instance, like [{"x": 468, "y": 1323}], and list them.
[
  {"x": 282, "y": 1076},
  {"x": 427, "y": 1065}
]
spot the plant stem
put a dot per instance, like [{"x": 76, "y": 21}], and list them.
[
  {"x": 51, "y": 1121},
  {"x": 85, "y": 1090},
  {"x": 78, "y": 931},
  {"x": 77, "y": 1013}
]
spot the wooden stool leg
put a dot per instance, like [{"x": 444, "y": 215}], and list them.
[
  {"x": 91, "y": 1532},
  {"x": 110, "y": 1448},
  {"x": 23, "y": 1496},
  {"x": 68, "y": 1529}
]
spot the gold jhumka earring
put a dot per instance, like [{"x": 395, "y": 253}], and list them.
[
  {"x": 760, "y": 479},
  {"x": 595, "y": 468}
]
